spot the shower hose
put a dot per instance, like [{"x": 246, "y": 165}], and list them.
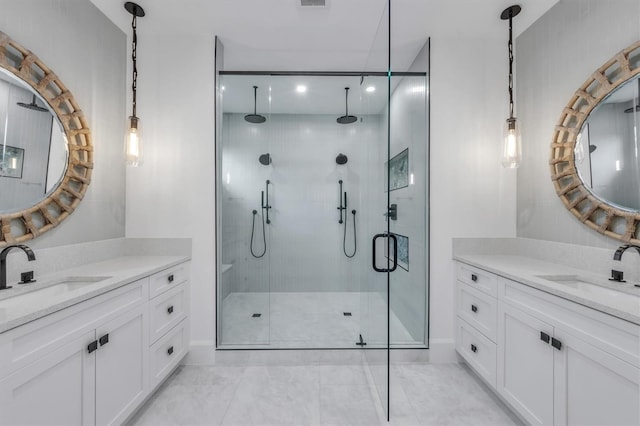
[
  {"x": 344, "y": 238},
  {"x": 264, "y": 236}
]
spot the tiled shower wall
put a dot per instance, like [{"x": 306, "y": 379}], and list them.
[{"x": 304, "y": 239}]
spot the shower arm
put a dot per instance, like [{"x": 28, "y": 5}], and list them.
[
  {"x": 266, "y": 206},
  {"x": 341, "y": 208}
]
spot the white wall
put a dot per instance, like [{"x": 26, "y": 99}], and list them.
[
  {"x": 172, "y": 194},
  {"x": 88, "y": 53},
  {"x": 304, "y": 239},
  {"x": 471, "y": 194},
  {"x": 554, "y": 58}
]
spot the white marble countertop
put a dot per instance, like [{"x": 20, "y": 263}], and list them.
[
  {"x": 118, "y": 271},
  {"x": 624, "y": 304}
]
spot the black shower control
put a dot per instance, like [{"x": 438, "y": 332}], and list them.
[{"x": 393, "y": 212}]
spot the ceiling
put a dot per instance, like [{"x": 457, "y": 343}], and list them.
[{"x": 345, "y": 35}]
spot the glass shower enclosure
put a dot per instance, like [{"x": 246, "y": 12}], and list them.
[{"x": 322, "y": 209}]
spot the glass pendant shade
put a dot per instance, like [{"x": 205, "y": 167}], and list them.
[
  {"x": 133, "y": 142},
  {"x": 512, "y": 148}
]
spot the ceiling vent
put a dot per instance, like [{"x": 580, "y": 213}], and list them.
[{"x": 312, "y": 3}]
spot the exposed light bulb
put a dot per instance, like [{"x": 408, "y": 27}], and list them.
[
  {"x": 301, "y": 88},
  {"x": 133, "y": 142},
  {"x": 370, "y": 89},
  {"x": 512, "y": 149}
]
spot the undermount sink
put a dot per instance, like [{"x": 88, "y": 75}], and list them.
[
  {"x": 51, "y": 290},
  {"x": 587, "y": 285}
]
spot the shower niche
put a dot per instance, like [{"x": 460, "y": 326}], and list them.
[{"x": 302, "y": 169}]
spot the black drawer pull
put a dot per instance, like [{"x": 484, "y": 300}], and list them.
[
  {"x": 92, "y": 346},
  {"x": 170, "y": 309},
  {"x": 556, "y": 343},
  {"x": 170, "y": 350},
  {"x": 104, "y": 340},
  {"x": 545, "y": 337},
  {"x": 474, "y": 348},
  {"x": 474, "y": 277},
  {"x": 474, "y": 308},
  {"x": 170, "y": 278}
]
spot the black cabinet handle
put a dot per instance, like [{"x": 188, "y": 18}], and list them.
[
  {"x": 170, "y": 278},
  {"x": 474, "y": 308},
  {"x": 556, "y": 343},
  {"x": 474, "y": 348},
  {"x": 170, "y": 350},
  {"x": 92, "y": 346},
  {"x": 104, "y": 339},
  {"x": 545, "y": 337},
  {"x": 170, "y": 309},
  {"x": 474, "y": 277}
]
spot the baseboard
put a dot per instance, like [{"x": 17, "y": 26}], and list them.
[
  {"x": 442, "y": 351},
  {"x": 201, "y": 352}
]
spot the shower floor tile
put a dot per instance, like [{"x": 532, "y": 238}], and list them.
[
  {"x": 307, "y": 320},
  {"x": 321, "y": 394}
]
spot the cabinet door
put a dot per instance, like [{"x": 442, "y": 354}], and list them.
[
  {"x": 121, "y": 361},
  {"x": 592, "y": 386},
  {"x": 57, "y": 389},
  {"x": 525, "y": 365}
]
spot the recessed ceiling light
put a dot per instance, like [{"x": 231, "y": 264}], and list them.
[
  {"x": 301, "y": 88},
  {"x": 370, "y": 89}
]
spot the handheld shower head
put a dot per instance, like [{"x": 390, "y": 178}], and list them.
[
  {"x": 265, "y": 159},
  {"x": 341, "y": 159}
]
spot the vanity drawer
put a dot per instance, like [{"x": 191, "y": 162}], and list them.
[
  {"x": 478, "y": 309},
  {"x": 167, "y": 310},
  {"x": 477, "y": 278},
  {"x": 613, "y": 335},
  {"x": 167, "y": 279},
  {"x": 478, "y": 351},
  {"x": 29, "y": 342},
  {"x": 167, "y": 352}
]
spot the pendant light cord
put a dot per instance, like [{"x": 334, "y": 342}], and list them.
[
  {"x": 134, "y": 55},
  {"x": 510, "y": 66}
]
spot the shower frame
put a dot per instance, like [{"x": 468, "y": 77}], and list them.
[{"x": 362, "y": 74}]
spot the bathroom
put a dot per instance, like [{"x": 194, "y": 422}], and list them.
[{"x": 168, "y": 207}]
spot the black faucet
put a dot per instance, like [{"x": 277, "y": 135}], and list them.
[
  {"x": 618, "y": 254},
  {"x": 3, "y": 262}
]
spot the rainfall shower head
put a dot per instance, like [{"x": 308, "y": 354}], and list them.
[
  {"x": 33, "y": 105},
  {"x": 346, "y": 118},
  {"x": 341, "y": 159},
  {"x": 255, "y": 117},
  {"x": 265, "y": 159}
]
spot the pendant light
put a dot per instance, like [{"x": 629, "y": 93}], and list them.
[
  {"x": 133, "y": 138},
  {"x": 512, "y": 148}
]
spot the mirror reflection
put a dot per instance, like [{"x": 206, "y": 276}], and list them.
[
  {"x": 606, "y": 152},
  {"x": 33, "y": 149}
]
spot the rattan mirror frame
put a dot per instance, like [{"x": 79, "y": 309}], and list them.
[
  {"x": 24, "y": 225},
  {"x": 596, "y": 213}
]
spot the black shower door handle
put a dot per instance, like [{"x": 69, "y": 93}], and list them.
[{"x": 395, "y": 252}]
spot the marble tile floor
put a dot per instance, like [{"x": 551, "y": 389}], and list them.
[
  {"x": 321, "y": 394},
  {"x": 307, "y": 320}
]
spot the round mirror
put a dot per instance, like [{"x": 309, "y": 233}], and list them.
[
  {"x": 33, "y": 149},
  {"x": 607, "y": 148},
  {"x": 46, "y": 155}
]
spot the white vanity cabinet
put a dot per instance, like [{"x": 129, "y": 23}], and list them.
[
  {"x": 89, "y": 363},
  {"x": 561, "y": 363}
]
